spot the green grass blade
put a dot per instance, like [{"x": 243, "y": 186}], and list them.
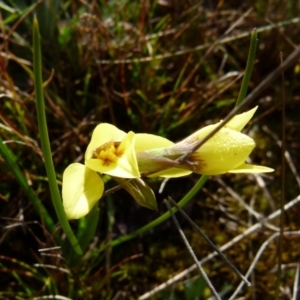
[
  {"x": 36, "y": 202},
  {"x": 43, "y": 130},
  {"x": 186, "y": 199},
  {"x": 249, "y": 67}
]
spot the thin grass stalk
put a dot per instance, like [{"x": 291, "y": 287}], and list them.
[{"x": 43, "y": 130}]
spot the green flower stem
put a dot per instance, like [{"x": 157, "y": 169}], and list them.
[
  {"x": 249, "y": 67},
  {"x": 36, "y": 202},
  {"x": 165, "y": 216},
  {"x": 43, "y": 130}
]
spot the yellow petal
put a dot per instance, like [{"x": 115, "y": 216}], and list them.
[
  {"x": 144, "y": 141},
  {"x": 124, "y": 166},
  {"x": 238, "y": 122},
  {"x": 81, "y": 189},
  {"x": 225, "y": 151},
  {"x": 102, "y": 134},
  {"x": 198, "y": 135},
  {"x": 245, "y": 168}
]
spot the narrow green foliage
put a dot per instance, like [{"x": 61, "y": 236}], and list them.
[{"x": 40, "y": 106}]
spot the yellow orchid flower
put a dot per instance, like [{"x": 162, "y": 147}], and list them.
[{"x": 225, "y": 152}]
